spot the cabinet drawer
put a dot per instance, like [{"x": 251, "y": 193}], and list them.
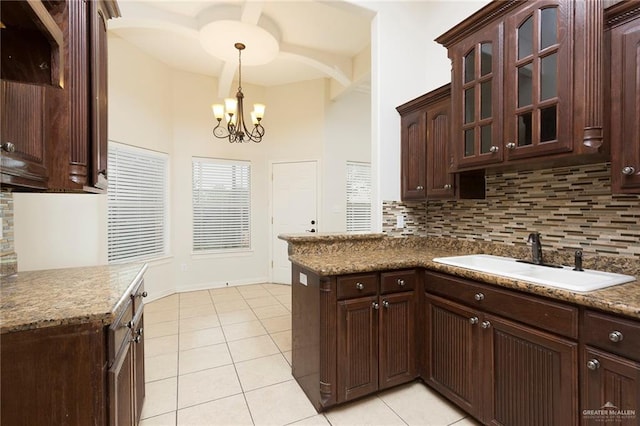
[
  {"x": 357, "y": 285},
  {"x": 538, "y": 312},
  {"x": 392, "y": 282},
  {"x": 613, "y": 334},
  {"x": 120, "y": 332}
]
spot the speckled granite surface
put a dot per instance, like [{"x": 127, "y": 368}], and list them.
[
  {"x": 37, "y": 299},
  {"x": 333, "y": 256}
]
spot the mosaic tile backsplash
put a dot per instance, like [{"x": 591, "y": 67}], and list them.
[
  {"x": 8, "y": 258},
  {"x": 572, "y": 207}
]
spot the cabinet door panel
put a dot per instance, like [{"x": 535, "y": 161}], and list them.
[
  {"x": 414, "y": 179},
  {"x": 440, "y": 182},
  {"x": 452, "y": 352},
  {"x": 625, "y": 113},
  {"x": 24, "y": 123},
  {"x": 538, "y": 98},
  {"x": 357, "y": 348},
  {"x": 528, "y": 371},
  {"x": 138, "y": 362},
  {"x": 613, "y": 383},
  {"x": 397, "y": 339},
  {"x": 476, "y": 126},
  {"x": 121, "y": 389}
]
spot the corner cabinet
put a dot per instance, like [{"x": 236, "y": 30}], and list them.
[
  {"x": 622, "y": 38},
  {"x": 425, "y": 154},
  {"x": 527, "y": 83},
  {"x": 353, "y": 334},
  {"x": 54, "y": 105}
]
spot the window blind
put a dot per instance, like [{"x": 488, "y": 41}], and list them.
[
  {"x": 221, "y": 205},
  {"x": 137, "y": 203},
  {"x": 358, "y": 197}
]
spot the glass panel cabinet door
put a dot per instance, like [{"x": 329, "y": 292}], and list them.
[
  {"x": 477, "y": 91},
  {"x": 537, "y": 73}
]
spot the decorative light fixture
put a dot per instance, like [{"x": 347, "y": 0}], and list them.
[{"x": 236, "y": 129}]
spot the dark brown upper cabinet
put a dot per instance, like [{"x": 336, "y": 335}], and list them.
[
  {"x": 527, "y": 84},
  {"x": 425, "y": 146},
  {"x": 622, "y": 43},
  {"x": 54, "y": 95}
]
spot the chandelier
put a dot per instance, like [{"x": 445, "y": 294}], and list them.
[{"x": 236, "y": 129}]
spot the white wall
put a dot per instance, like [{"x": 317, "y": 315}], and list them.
[
  {"x": 347, "y": 138},
  {"x": 60, "y": 230},
  {"x": 405, "y": 63}
]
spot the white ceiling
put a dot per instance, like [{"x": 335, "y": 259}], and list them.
[{"x": 313, "y": 38}]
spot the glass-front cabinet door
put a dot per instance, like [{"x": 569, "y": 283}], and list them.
[
  {"x": 538, "y": 94},
  {"x": 477, "y": 93}
]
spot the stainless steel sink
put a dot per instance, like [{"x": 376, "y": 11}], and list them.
[{"x": 563, "y": 277}]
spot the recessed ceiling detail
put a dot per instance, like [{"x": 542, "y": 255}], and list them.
[{"x": 286, "y": 41}]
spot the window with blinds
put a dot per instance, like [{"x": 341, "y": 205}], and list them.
[
  {"x": 137, "y": 203},
  {"x": 221, "y": 205},
  {"x": 358, "y": 197}
]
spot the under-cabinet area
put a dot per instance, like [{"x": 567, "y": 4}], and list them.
[
  {"x": 77, "y": 356},
  {"x": 371, "y": 317}
]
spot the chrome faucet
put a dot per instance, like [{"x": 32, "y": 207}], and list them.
[{"x": 536, "y": 248}]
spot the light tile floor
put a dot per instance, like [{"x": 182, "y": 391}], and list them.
[{"x": 222, "y": 357}]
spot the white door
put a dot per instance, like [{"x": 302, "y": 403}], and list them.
[{"x": 294, "y": 210}]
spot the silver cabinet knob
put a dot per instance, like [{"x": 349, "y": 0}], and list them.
[
  {"x": 419, "y": 187},
  {"x": 140, "y": 331},
  {"x": 511, "y": 145},
  {"x": 494, "y": 149},
  {"x": 401, "y": 282},
  {"x": 360, "y": 286},
  {"x": 593, "y": 364},
  {"x": 136, "y": 339},
  {"x": 616, "y": 336},
  {"x": 130, "y": 324},
  {"x": 375, "y": 305},
  {"x": 385, "y": 303},
  {"x": 479, "y": 296},
  {"x": 486, "y": 324},
  {"x": 628, "y": 170},
  {"x": 448, "y": 186},
  {"x": 8, "y": 147},
  {"x": 473, "y": 320}
]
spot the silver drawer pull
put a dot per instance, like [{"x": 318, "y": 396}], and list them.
[
  {"x": 140, "y": 331},
  {"x": 479, "y": 296},
  {"x": 593, "y": 364},
  {"x": 401, "y": 282},
  {"x": 375, "y": 305},
  {"x": 486, "y": 324},
  {"x": 385, "y": 303},
  {"x": 628, "y": 170},
  {"x": 360, "y": 286},
  {"x": 616, "y": 336},
  {"x": 136, "y": 339},
  {"x": 473, "y": 320}
]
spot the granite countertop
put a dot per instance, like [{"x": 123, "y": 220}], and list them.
[
  {"x": 622, "y": 299},
  {"x": 37, "y": 299}
]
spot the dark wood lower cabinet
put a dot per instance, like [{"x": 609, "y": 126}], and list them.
[
  {"x": 352, "y": 335},
  {"x": 500, "y": 371},
  {"x": 506, "y": 357},
  {"x": 83, "y": 374}
]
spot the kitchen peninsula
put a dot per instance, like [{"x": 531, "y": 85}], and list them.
[
  {"x": 71, "y": 346},
  {"x": 370, "y": 312}
]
